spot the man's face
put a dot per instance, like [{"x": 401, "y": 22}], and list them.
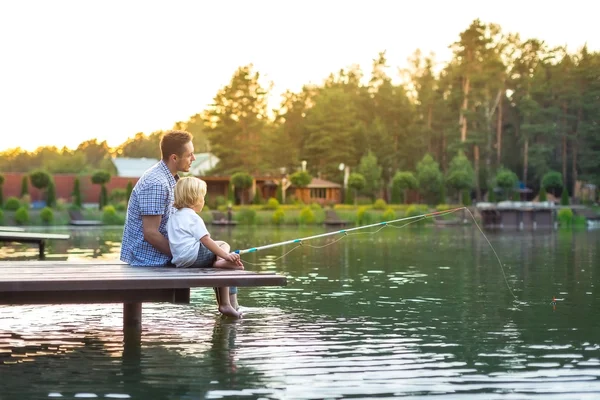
[{"x": 184, "y": 162}]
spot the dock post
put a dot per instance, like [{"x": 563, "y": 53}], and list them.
[{"x": 42, "y": 248}]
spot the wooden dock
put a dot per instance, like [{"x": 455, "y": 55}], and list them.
[
  {"x": 32, "y": 237},
  {"x": 68, "y": 282}
]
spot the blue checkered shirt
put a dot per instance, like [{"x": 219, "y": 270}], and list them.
[{"x": 151, "y": 195}]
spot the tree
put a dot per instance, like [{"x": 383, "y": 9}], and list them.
[
  {"x": 552, "y": 182},
  {"x": 242, "y": 181},
  {"x": 128, "y": 190},
  {"x": 507, "y": 181},
  {"x": 430, "y": 179},
  {"x": 77, "y": 201},
  {"x": 371, "y": 171},
  {"x": 301, "y": 180},
  {"x": 40, "y": 179},
  {"x": 235, "y": 122},
  {"x": 460, "y": 176},
  {"x": 24, "y": 186},
  {"x": 402, "y": 182},
  {"x": 1, "y": 190},
  {"x": 356, "y": 182},
  {"x": 51, "y": 194},
  {"x": 101, "y": 178}
]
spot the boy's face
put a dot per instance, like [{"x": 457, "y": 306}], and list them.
[{"x": 200, "y": 204}]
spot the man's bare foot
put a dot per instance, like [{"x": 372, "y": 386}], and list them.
[{"x": 229, "y": 311}]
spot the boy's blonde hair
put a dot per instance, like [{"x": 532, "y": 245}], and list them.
[{"x": 189, "y": 190}]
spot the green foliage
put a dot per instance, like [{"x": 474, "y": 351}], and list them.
[
  {"x": 12, "y": 204},
  {"x": 278, "y": 216},
  {"x": 47, "y": 215},
  {"x": 565, "y": 217},
  {"x": 103, "y": 201},
  {"x": 460, "y": 174},
  {"x": 40, "y": 179},
  {"x": 552, "y": 181},
  {"x": 241, "y": 180},
  {"x": 100, "y": 177},
  {"x": 301, "y": 179},
  {"x": 356, "y": 181},
  {"x": 361, "y": 215},
  {"x": 24, "y": 186},
  {"x": 272, "y": 204},
  {"x": 507, "y": 181},
  {"x": 279, "y": 194},
  {"x": 466, "y": 198},
  {"x": 110, "y": 216},
  {"x": 51, "y": 194},
  {"x": 564, "y": 198},
  {"x": 389, "y": 214},
  {"x": 258, "y": 199},
  {"x": 379, "y": 204},
  {"x": 117, "y": 196},
  {"x": 2, "y": 179},
  {"x": 77, "y": 200},
  {"x": 430, "y": 179},
  {"x": 1, "y": 216},
  {"x": 307, "y": 216},
  {"x": 401, "y": 182},
  {"x": 542, "y": 196},
  {"x": 246, "y": 216},
  {"x": 22, "y": 216},
  {"x": 371, "y": 172},
  {"x": 128, "y": 190}
]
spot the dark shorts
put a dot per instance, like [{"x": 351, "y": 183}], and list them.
[{"x": 205, "y": 259}]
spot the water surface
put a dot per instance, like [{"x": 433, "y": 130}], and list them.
[{"x": 408, "y": 313}]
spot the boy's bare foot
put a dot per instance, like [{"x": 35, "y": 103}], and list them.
[
  {"x": 229, "y": 311},
  {"x": 221, "y": 263}
]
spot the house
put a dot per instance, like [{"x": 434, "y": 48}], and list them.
[
  {"x": 320, "y": 191},
  {"x": 135, "y": 167}
]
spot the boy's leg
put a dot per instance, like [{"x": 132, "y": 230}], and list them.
[{"x": 233, "y": 297}]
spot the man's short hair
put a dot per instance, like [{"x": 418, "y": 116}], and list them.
[{"x": 173, "y": 142}]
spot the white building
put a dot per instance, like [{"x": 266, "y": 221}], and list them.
[{"x": 134, "y": 167}]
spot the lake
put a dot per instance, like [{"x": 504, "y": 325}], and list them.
[{"x": 410, "y": 312}]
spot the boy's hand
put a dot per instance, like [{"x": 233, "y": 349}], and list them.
[{"x": 234, "y": 258}]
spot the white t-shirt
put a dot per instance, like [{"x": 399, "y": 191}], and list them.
[{"x": 185, "y": 229}]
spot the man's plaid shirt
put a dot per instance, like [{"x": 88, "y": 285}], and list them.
[{"x": 152, "y": 195}]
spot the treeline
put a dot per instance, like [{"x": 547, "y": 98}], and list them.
[{"x": 505, "y": 102}]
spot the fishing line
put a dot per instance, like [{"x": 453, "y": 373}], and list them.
[{"x": 380, "y": 225}]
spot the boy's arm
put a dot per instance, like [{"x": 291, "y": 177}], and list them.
[
  {"x": 214, "y": 247},
  {"x": 152, "y": 235}
]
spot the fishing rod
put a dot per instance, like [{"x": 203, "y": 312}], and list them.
[{"x": 344, "y": 231}]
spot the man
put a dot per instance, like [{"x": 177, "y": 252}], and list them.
[{"x": 151, "y": 203}]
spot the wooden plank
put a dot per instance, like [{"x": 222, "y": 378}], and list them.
[
  {"x": 31, "y": 236},
  {"x": 134, "y": 283},
  {"x": 181, "y": 296}
]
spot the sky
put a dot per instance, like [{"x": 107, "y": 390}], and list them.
[{"x": 76, "y": 70}]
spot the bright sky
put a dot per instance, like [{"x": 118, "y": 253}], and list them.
[{"x": 76, "y": 70}]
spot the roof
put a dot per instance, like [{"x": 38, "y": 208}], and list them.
[
  {"x": 318, "y": 183},
  {"x": 135, "y": 167}
]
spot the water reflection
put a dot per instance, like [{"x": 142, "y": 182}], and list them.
[{"x": 401, "y": 313}]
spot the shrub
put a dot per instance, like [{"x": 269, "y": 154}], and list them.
[
  {"x": 22, "y": 216},
  {"x": 389, "y": 214},
  {"x": 12, "y": 204},
  {"x": 564, "y": 197},
  {"x": 47, "y": 215},
  {"x": 565, "y": 217},
  {"x": 307, "y": 216},
  {"x": 316, "y": 206},
  {"x": 272, "y": 204},
  {"x": 1, "y": 216},
  {"x": 278, "y": 216},
  {"x": 110, "y": 216},
  {"x": 379, "y": 204},
  {"x": 246, "y": 216}
]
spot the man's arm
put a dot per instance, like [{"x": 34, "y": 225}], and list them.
[{"x": 150, "y": 224}]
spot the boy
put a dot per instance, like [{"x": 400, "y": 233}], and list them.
[{"x": 190, "y": 242}]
